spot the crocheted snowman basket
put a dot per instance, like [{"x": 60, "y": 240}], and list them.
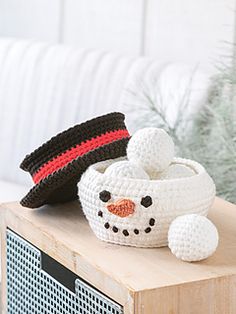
[{"x": 152, "y": 204}]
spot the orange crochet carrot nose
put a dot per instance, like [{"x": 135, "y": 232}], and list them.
[{"x": 122, "y": 208}]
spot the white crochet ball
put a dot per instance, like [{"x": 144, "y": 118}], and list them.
[
  {"x": 126, "y": 169},
  {"x": 192, "y": 237},
  {"x": 175, "y": 171},
  {"x": 152, "y": 149}
]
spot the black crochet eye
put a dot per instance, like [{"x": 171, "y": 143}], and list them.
[
  {"x": 105, "y": 196},
  {"x": 146, "y": 201}
]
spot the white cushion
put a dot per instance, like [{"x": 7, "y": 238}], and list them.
[
  {"x": 11, "y": 192},
  {"x": 46, "y": 88}
]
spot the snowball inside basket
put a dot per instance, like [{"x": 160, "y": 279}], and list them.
[{"x": 152, "y": 204}]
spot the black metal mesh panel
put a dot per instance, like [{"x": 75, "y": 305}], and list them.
[{"x": 31, "y": 290}]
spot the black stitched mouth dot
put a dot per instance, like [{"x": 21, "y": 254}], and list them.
[
  {"x": 148, "y": 229},
  {"x": 152, "y": 222},
  {"x": 107, "y": 226},
  {"x": 114, "y": 229},
  {"x": 105, "y": 196},
  {"x": 100, "y": 213},
  {"x": 136, "y": 231},
  {"x": 146, "y": 201},
  {"x": 125, "y": 233}
]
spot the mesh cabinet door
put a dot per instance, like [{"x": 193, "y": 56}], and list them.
[{"x": 31, "y": 290}]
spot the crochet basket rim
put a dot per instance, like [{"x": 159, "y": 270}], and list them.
[
  {"x": 194, "y": 165},
  {"x": 170, "y": 198}
]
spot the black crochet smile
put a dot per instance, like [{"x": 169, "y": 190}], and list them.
[{"x": 125, "y": 232}]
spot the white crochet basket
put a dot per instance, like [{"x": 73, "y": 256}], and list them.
[{"x": 146, "y": 226}]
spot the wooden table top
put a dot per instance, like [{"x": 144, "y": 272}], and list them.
[{"x": 63, "y": 232}]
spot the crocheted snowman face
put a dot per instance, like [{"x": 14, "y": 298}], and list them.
[
  {"x": 117, "y": 207},
  {"x": 138, "y": 212}
]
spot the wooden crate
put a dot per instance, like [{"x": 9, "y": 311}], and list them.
[{"x": 141, "y": 280}]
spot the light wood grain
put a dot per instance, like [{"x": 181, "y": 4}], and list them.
[
  {"x": 212, "y": 296},
  {"x": 136, "y": 278},
  {"x": 46, "y": 227}
]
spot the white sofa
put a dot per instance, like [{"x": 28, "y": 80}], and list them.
[{"x": 47, "y": 88}]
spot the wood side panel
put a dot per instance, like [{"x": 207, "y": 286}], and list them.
[{"x": 214, "y": 296}]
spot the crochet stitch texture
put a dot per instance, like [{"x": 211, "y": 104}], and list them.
[
  {"x": 146, "y": 226},
  {"x": 57, "y": 165},
  {"x": 192, "y": 237},
  {"x": 126, "y": 169},
  {"x": 152, "y": 149}
]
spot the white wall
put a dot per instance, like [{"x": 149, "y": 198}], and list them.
[
  {"x": 170, "y": 30},
  {"x": 193, "y": 31},
  {"x": 108, "y": 24},
  {"x": 30, "y": 18}
]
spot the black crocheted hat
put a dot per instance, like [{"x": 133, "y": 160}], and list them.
[{"x": 57, "y": 165}]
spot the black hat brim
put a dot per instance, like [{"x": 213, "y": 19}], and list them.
[{"x": 61, "y": 186}]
